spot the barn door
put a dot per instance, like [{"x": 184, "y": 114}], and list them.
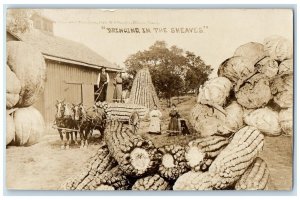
[
  {"x": 72, "y": 93},
  {"x": 88, "y": 94}
]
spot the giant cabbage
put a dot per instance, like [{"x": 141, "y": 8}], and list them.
[
  {"x": 255, "y": 92},
  {"x": 267, "y": 67},
  {"x": 286, "y": 121},
  {"x": 282, "y": 89},
  {"x": 215, "y": 92},
  {"x": 265, "y": 120},
  {"x": 237, "y": 69},
  {"x": 278, "y": 48},
  {"x": 254, "y": 51},
  {"x": 286, "y": 67}
]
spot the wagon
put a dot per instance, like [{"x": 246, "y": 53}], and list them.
[{"x": 127, "y": 113}]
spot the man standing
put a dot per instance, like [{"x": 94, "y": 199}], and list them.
[{"x": 103, "y": 80}]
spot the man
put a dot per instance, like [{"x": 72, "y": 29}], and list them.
[{"x": 103, "y": 80}]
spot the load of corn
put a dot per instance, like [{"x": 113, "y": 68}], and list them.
[{"x": 252, "y": 97}]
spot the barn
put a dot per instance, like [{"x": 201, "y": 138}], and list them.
[{"x": 72, "y": 70}]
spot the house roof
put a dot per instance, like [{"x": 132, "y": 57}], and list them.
[{"x": 63, "y": 50}]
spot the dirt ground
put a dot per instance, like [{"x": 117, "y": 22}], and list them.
[{"x": 45, "y": 166}]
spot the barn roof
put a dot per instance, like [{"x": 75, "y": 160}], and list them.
[{"x": 63, "y": 50}]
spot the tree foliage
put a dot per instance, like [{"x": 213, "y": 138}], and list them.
[
  {"x": 173, "y": 71},
  {"x": 19, "y": 20}
]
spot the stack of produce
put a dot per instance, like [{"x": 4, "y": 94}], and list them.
[
  {"x": 128, "y": 162},
  {"x": 254, "y": 87},
  {"x": 142, "y": 91},
  {"x": 229, "y": 166},
  {"x": 122, "y": 111},
  {"x": 26, "y": 74}
]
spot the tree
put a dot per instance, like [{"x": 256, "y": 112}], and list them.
[
  {"x": 19, "y": 20},
  {"x": 172, "y": 70},
  {"x": 197, "y": 72}
]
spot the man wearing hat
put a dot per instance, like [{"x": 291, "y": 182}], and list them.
[{"x": 103, "y": 80}]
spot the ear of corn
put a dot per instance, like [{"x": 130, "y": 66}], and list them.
[
  {"x": 96, "y": 165},
  {"x": 234, "y": 160},
  {"x": 154, "y": 182},
  {"x": 201, "y": 152},
  {"x": 194, "y": 181},
  {"x": 255, "y": 177},
  {"x": 173, "y": 162},
  {"x": 142, "y": 90},
  {"x": 113, "y": 178},
  {"x": 135, "y": 155}
]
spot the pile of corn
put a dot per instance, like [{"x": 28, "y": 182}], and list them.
[{"x": 126, "y": 161}]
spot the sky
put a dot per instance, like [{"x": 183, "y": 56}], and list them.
[{"x": 217, "y": 32}]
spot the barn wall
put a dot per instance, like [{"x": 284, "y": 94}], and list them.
[{"x": 63, "y": 82}]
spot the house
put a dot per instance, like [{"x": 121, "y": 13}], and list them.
[{"x": 72, "y": 69}]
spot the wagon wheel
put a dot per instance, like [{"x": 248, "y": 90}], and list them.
[{"x": 134, "y": 121}]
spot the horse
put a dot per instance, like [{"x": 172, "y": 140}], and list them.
[
  {"x": 76, "y": 120},
  {"x": 89, "y": 121},
  {"x": 64, "y": 119}
]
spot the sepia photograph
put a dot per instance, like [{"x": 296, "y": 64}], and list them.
[{"x": 149, "y": 99}]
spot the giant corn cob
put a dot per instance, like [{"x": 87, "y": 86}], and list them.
[
  {"x": 96, "y": 165},
  {"x": 122, "y": 111},
  {"x": 194, "y": 181},
  {"x": 112, "y": 178},
  {"x": 173, "y": 162},
  {"x": 143, "y": 91},
  {"x": 154, "y": 182},
  {"x": 201, "y": 152},
  {"x": 255, "y": 177},
  {"x": 234, "y": 160},
  {"x": 135, "y": 155}
]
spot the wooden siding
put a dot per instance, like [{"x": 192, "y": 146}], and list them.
[{"x": 64, "y": 81}]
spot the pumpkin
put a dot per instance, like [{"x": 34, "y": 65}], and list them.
[
  {"x": 265, "y": 120},
  {"x": 278, "y": 48},
  {"x": 286, "y": 121},
  {"x": 29, "y": 66},
  {"x": 267, "y": 67},
  {"x": 13, "y": 88},
  {"x": 29, "y": 125},
  {"x": 10, "y": 129},
  {"x": 253, "y": 51},
  {"x": 214, "y": 92},
  {"x": 237, "y": 69},
  {"x": 286, "y": 67},
  {"x": 255, "y": 92}
]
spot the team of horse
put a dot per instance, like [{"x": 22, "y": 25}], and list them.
[{"x": 72, "y": 119}]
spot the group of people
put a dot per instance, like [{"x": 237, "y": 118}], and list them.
[
  {"x": 155, "y": 121},
  {"x": 102, "y": 82}
]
